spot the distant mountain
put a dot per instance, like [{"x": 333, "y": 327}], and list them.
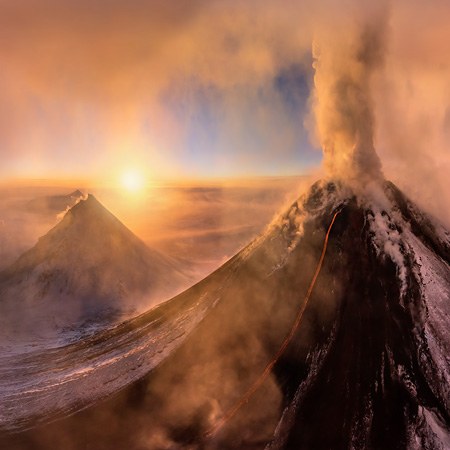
[
  {"x": 368, "y": 367},
  {"x": 22, "y": 221},
  {"x": 89, "y": 265}
]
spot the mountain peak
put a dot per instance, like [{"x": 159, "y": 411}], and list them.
[
  {"x": 76, "y": 193},
  {"x": 89, "y": 202},
  {"x": 92, "y": 257},
  {"x": 90, "y": 210},
  {"x": 88, "y": 233}
]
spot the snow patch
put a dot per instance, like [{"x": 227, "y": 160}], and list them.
[
  {"x": 388, "y": 241},
  {"x": 433, "y": 276},
  {"x": 429, "y": 432},
  {"x": 39, "y": 385}
]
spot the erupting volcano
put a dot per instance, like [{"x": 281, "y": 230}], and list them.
[
  {"x": 366, "y": 368},
  {"x": 330, "y": 330}
]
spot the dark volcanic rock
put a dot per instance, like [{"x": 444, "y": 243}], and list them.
[{"x": 368, "y": 367}]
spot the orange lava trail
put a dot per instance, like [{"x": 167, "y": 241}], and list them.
[{"x": 260, "y": 380}]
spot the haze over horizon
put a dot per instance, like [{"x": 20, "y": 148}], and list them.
[
  {"x": 224, "y": 224},
  {"x": 197, "y": 89}
]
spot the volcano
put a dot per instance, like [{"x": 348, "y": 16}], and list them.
[
  {"x": 367, "y": 368},
  {"x": 88, "y": 268}
]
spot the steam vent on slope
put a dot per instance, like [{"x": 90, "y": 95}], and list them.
[{"x": 367, "y": 367}]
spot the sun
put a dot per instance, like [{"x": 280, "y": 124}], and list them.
[{"x": 133, "y": 180}]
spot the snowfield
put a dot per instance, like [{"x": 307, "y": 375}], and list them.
[{"x": 40, "y": 385}]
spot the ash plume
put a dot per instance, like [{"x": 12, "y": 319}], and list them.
[{"x": 345, "y": 62}]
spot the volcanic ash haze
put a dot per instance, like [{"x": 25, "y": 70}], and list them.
[
  {"x": 368, "y": 368},
  {"x": 368, "y": 364}
]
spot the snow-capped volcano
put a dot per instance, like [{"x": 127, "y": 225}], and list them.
[
  {"x": 367, "y": 368},
  {"x": 87, "y": 265},
  {"x": 380, "y": 378}
]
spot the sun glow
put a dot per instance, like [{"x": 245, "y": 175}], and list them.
[{"x": 133, "y": 180}]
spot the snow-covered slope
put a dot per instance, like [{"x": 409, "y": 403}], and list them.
[
  {"x": 39, "y": 385},
  {"x": 88, "y": 268},
  {"x": 382, "y": 377},
  {"x": 368, "y": 367}
]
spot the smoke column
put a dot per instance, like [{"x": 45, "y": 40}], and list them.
[{"x": 345, "y": 60}]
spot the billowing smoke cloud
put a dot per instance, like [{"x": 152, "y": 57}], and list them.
[
  {"x": 78, "y": 77},
  {"x": 381, "y": 81},
  {"x": 413, "y": 102},
  {"x": 233, "y": 48},
  {"x": 345, "y": 61}
]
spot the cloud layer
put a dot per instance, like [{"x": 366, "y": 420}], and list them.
[{"x": 207, "y": 87}]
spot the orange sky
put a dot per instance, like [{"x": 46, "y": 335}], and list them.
[
  {"x": 89, "y": 86},
  {"x": 210, "y": 88}
]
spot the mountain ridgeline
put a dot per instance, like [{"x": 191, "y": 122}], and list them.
[
  {"x": 87, "y": 267},
  {"x": 368, "y": 367}
]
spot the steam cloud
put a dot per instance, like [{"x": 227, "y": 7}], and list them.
[
  {"x": 372, "y": 62},
  {"x": 349, "y": 52},
  {"x": 343, "y": 106}
]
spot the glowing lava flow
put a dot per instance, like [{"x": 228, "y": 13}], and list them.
[{"x": 260, "y": 380}]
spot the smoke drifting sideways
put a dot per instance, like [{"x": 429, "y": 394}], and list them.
[{"x": 344, "y": 62}]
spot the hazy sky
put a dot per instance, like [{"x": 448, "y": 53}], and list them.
[
  {"x": 183, "y": 88},
  {"x": 225, "y": 87}
]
